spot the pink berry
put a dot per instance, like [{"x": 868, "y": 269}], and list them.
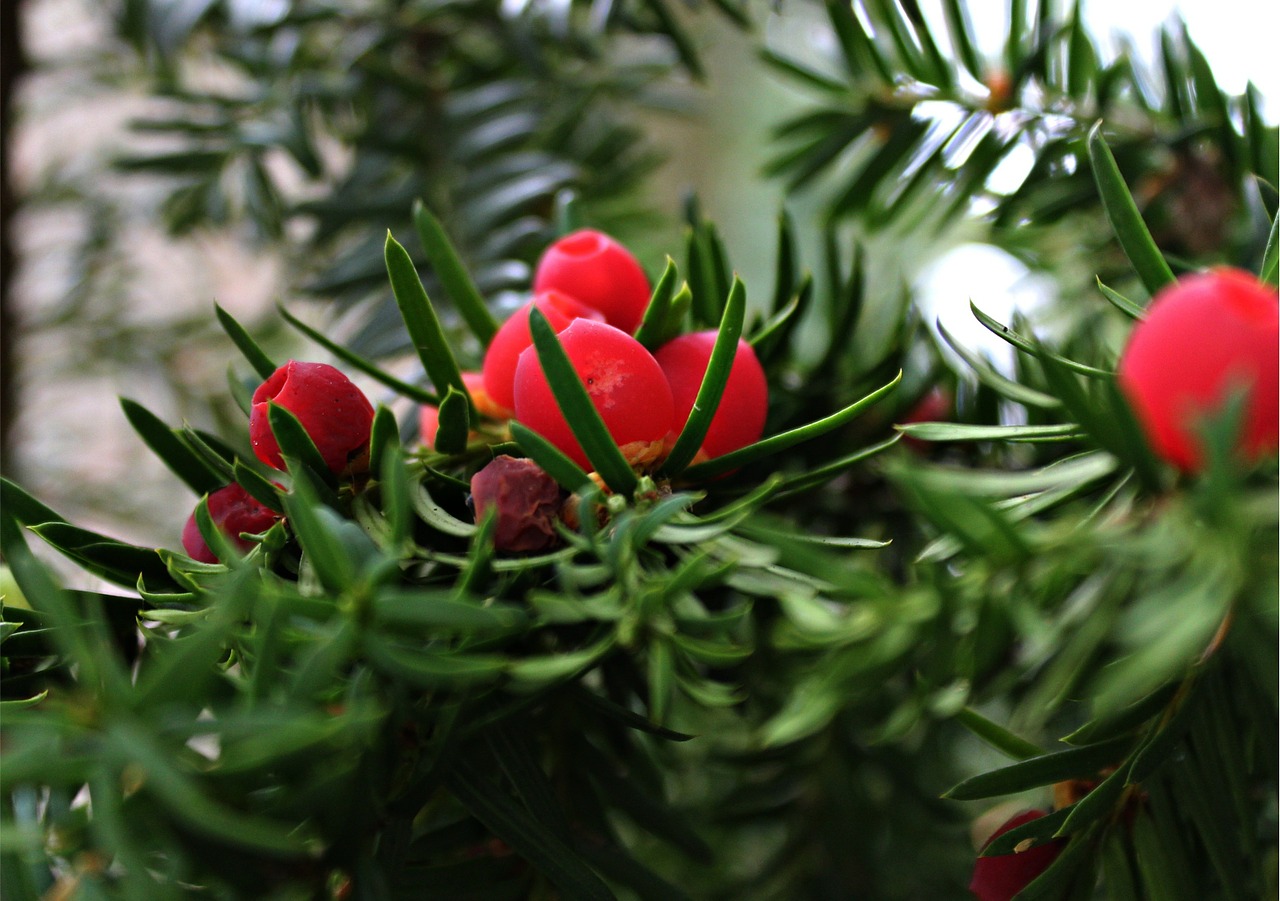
[
  {"x": 739, "y": 418},
  {"x": 513, "y": 337},
  {"x": 1203, "y": 337},
  {"x": 335, "y": 413},
  {"x": 1000, "y": 878},
  {"x": 527, "y": 501},
  {"x": 599, "y": 272},
  {"x": 428, "y": 425},
  {"x": 623, "y": 381},
  {"x": 233, "y": 510}
]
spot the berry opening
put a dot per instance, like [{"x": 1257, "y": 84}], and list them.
[
  {"x": 582, "y": 244},
  {"x": 334, "y": 412},
  {"x": 599, "y": 272}
]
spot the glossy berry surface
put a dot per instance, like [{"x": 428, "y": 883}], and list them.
[
  {"x": 526, "y": 499},
  {"x": 1000, "y": 878},
  {"x": 624, "y": 382},
  {"x": 739, "y": 418},
  {"x": 233, "y": 510},
  {"x": 1204, "y": 337},
  {"x": 513, "y": 337},
  {"x": 335, "y": 413},
  {"x": 599, "y": 272}
]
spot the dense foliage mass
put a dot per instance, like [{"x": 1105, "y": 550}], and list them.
[{"x": 659, "y": 590}]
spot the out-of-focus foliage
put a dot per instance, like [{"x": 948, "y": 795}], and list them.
[
  {"x": 704, "y": 692},
  {"x": 783, "y": 674},
  {"x": 335, "y": 117},
  {"x": 919, "y": 126}
]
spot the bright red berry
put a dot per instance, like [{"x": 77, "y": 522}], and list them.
[
  {"x": 1202, "y": 338},
  {"x": 233, "y": 510},
  {"x": 513, "y": 337},
  {"x": 622, "y": 379},
  {"x": 335, "y": 413},
  {"x": 739, "y": 418},
  {"x": 599, "y": 272},
  {"x": 1000, "y": 878},
  {"x": 526, "y": 499}
]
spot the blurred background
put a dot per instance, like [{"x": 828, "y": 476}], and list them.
[{"x": 110, "y": 290}]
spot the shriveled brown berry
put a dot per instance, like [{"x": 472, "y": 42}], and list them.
[{"x": 526, "y": 499}]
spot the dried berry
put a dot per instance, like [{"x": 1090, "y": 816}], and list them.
[
  {"x": 1000, "y": 878},
  {"x": 526, "y": 499},
  {"x": 600, "y": 273},
  {"x": 1205, "y": 336},
  {"x": 335, "y": 413},
  {"x": 624, "y": 382},
  {"x": 233, "y": 510},
  {"x": 513, "y": 337},
  {"x": 739, "y": 418}
]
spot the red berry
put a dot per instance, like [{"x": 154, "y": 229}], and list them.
[
  {"x": 335, "y": 413},
  {"x": 428, "y": 425},
  {"x": 935, "y": 406},
  {"x": 1000, "y": 878},
  {"x": 233, "y": 510},
  {"x": 623, "y": 380},
  {"x": 1203, "y": 337},
  {"x": 527, "y": 501},
  {"x": 739, "y": 419},
  {"x": 513, "y": 337},
  {"x": 599, "y": 272}
]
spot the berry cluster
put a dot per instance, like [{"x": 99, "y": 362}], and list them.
[
  {"x": 593, "y": 294},
  {"x": 1204, "y": 337}
]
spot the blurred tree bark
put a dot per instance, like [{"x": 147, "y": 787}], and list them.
[{"x": 12, "y": 65}]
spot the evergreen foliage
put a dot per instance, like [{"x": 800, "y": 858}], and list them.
[
  {"x": 484, "y": 110},
  {"x": 796, "y": 671},
  {"x": 917, "y": 107}
]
